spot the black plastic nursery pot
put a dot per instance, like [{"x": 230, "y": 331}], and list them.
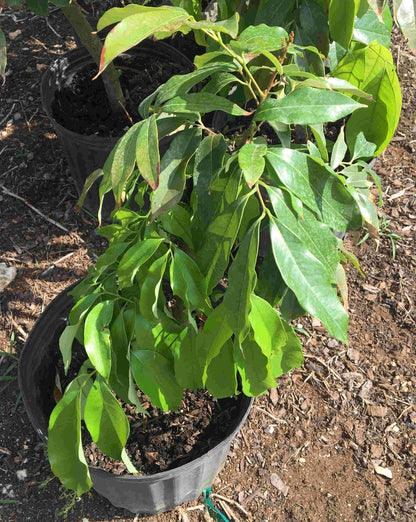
[
  {"x": 149, "y": 494},
  {"x": 86, "y": 153}
]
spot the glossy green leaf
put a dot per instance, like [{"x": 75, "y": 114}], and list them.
[
  {"x": 133, "y": 29},
  {"x": 317, "y": 237},
  {"x": 229, "y": 27},
  {"x": 65, "y": 453},
  {"x": 188, "y": 283},
  {"x": 106, "y": 420},
  {"x": 149, "y": 293},
  {"x": 215, "y": 334},
  {"x": 65, "y": 344},
  {"x": 97, "y": 337},
  {"x": 316, "y": 186},
  {"x": 134, "y": 258},
  {"x": 341, "y": 17},
  {"x": 147, "y": 152},
  {"x": 258, "y": 38},
  {"x": 314, "y": 25},
  {"x": 123, "y": 162},
  {"x": 39, "y": 7},
  {"x": 307, "y": 106},
  {"x": 270, "y": 285},
  {"x": 254, "y": 367},
  {"x": 188, "y": 363},
  {"x": 203, "y": 103},
  {"x": 318, "y": 133},
  {"x": 241, "y": 282},
  {"x": 275, "y": 13},
  {"x": 155, "y": 376},
  {"x": 339, "y": 150},
  {"x": 217, "y": 57},
  {"x": 221, "y": 375},
  {"x": 172, "y": 171},
  {"x": 213, "y": 256},
  {"x": 252, "y": 162},
  {"x": 371, "y": 69},
  {"x": 276, "y": 337},
  {"x": 110, "y": 256},
  {"x": 369, "y": 28},
  {"x": 178, "y": 223},
  {"x": 405, "y": 14},
  {"x": 361, "y": 148},
  {"x": 219, "y": 81},
  {"x": 308, "y": 279}
]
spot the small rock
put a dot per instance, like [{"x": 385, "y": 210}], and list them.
[
  {"x": 353, "y": 355},
  {"x": 7, "y": 274},
  {"x": 385, "y": 472},
  {"x": 21, "y": 474},
  {"x": 278, "y": 483},
  {"x": 316, "y": 322},
  {"x": 333, "y": 343},
  {"x": 377, "y": 411},
  {"x": 365, "y": 389},
  {"x": 17, "y": 116},
  {"x": 14, "y": 34}
]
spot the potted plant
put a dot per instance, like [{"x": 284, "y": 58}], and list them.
[{"x": 183, "y": 298}]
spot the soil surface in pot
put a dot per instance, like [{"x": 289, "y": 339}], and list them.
[
  {"x": 83, "y": 107},
  {"x": 162, "y": 440}
]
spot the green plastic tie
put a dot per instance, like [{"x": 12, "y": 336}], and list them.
[{"x": 213, "y": 511}]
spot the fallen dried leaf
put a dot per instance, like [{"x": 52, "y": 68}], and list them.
[
  {"x": 365, "y": 389},
  {"x": 353, "y": 355},
  {"x": 274, "y": 396}
]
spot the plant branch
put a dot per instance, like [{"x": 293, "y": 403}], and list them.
[{"x": 93, "y": 44}]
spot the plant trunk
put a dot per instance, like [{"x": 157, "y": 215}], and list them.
[{"x": 93, "y": 44}]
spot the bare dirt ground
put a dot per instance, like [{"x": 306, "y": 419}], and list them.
[{"x": 336, "y": 441}]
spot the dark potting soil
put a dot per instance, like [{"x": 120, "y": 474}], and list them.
[
  {"x": 82, "y": 106},
  {"x": 166, "y": 440}
]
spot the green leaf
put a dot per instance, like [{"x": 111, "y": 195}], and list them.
[
  {"x": 97, "y": 337},
  {"x": 155, "y": 376},
  {"x": 314, "y": 25},
  {"x": 219, "y": 81},
  {"x": 149, "y": 293},
  {"x": 215, "y": 334},
  {"x": 65, "y": 344},
  {"x": 361, "y": 148},
  {"x": 275, "y": 13},
  {"x": 252, "y": 162},
  {"x": 214, "y": 253},
  {"x": 147, "y": 152},
  {"x": 229, "y": 26},
  {"x": 172, "y": 171},
  {"x": 110, "y": 256},
  {"x": 3, "y": 55},
  {"x": 65, "y": 453},
  {"x": 317, "y": 237},
  {"x": 318, "y": 132},
  {"x": 241, "y": 283},
  {"x": 258, "y": 38},
  {"x": 270, "y": 285},
  {"x": 405, "y": 14},
  {"x": 203, "y": 103},
  {"x": 276, "y": 337},
  {"x": 254, "y": 367},
  {"x": 188, "y": 283},
  {"x": 316, "y": 186},
  {"x": 341, "y": 18},
  {"x": 307, "y": 106},
  {"x": 39, "y": 7},
  {"x": 178, "y": 223},
  {"x": 123, "y": 162},
  {"x": 339, "y": 150},
  {"x": 188, "y": 363},
  {"x": 208, "y": 159},
  {"x": 371, "y": 69},
  {"x": 308, "y": 279},
  {"x": 106, "y": 420},
  {"x": 369, "y": 28},
  {"x": 134, "y": 258},
  {"x": 133, "y": 29},
  {"x": 221, "y": 374}
]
